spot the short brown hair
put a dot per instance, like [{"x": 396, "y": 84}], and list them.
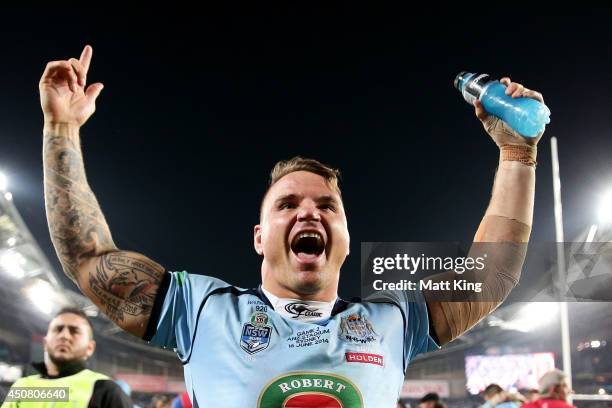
[
  {"x": 491, "y": 390},
  {"x": 297, "y": 163}
]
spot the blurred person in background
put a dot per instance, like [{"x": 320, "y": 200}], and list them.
[
  {"x": 125, "y": 387},
  {"x": 160, "y": 401},
  {"x": 69, "y": 343},
  {"x": 495, "y": 396},
  {"x": 429, "y": 400},
  {"x": 182, "y": 401},
  {"x": 532, "y": 395},
  {"x": 554, "y": 391}
]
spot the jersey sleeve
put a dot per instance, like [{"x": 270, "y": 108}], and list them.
[
  {"x": 417, "y": 335},
  {"x": 178, "y": 304}
]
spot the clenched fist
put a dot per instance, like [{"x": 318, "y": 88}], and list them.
[{"x": 500, "y": 132}]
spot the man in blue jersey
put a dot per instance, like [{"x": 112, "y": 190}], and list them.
[{"x": 291, "y": 342}]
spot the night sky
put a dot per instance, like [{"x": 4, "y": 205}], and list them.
[{"x": 196, "y": 111}]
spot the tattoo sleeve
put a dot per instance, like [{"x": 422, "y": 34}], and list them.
[
  {"x": 123, "y": 284},
  {"x": 76, "y": 223}
]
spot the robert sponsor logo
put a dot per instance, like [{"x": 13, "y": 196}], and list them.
[{"x": 300, "y": 309}]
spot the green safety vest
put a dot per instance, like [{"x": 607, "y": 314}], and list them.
[{"x": 80, "y": 386}]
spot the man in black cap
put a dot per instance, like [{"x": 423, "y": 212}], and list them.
[{"x": 429, "y": 400}]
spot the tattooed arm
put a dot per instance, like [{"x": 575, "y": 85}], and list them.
[
  {"x": 504, "y": 230},
  {"x": 122, "y": 284}
]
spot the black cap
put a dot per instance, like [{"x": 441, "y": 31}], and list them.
[{"x": 432, "y": 396}]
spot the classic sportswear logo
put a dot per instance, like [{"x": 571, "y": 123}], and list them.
[
  {"x": 310, "y": 389},
  {"x": 298, "y": 309}
]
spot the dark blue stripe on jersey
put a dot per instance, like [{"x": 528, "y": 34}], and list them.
[
  {"x": 157, "y": 307},
  {"x": 432, "y": 329},
  {"x": 262, "y": 296},
  {"x": 194, "y": 403},
  {"x": 339, "y": 307}
]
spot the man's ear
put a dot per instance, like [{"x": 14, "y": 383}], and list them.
[
  {"x": 91, "y": 347},
  {"x": 257, "y": 239}
]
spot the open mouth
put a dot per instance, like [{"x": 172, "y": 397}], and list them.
[{"x": 308, "y": 246}]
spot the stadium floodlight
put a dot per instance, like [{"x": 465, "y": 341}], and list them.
[
  {"x": 12, "y": 263},
  {"x": 591, "y": 235},
  {"x": 42, "y": 295},
  {"x": 532, "y": 316},
  {"x": 604, "y": 213},
  {"x": 10, "y": 373},
  {"x": 3, "y": 182},
  {"x": 8, "y": 196}
]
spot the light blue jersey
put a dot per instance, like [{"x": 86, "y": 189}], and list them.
[{"x": 238, "y": 352}]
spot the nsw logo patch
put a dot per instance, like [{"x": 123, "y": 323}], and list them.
[{"x": 256, "y": 335}]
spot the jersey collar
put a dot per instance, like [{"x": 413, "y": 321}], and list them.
[{"x": 302, "y": 310}]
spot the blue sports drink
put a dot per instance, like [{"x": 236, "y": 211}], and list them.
[{"x": 525, "y": 115}]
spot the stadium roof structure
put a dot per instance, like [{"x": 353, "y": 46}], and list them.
[{"x": 31, "y": 290}]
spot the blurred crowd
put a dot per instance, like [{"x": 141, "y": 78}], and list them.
[{"x": 553, "y": 392}]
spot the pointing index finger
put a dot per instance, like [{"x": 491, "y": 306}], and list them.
[{"x": 85, "y": 58}]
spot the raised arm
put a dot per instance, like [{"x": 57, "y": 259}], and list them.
[
  {"x": 122, "y": 284},
  {"x": 506, "y": 222}
]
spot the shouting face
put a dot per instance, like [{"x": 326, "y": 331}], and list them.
[{"x": 303, "y": 237}]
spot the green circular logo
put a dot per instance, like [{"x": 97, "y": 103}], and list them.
[
  {"x": 259, "y": 319},
  {"x": 310, "y": 390}
]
